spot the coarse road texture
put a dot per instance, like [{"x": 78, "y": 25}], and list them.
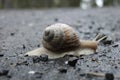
[{"x": 21, "y": 31}]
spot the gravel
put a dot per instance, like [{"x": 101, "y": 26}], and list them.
[{"x": 21, "y": 31}]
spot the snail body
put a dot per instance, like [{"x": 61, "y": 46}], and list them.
[{"x": 60, "y": 39}]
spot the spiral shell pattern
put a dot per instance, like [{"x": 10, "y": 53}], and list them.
[{"x": 60, "y": 37}]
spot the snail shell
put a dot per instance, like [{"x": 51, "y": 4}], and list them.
[{"x": 60, "y": 37}]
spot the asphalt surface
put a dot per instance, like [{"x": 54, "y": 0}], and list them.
[{"x": 21, "y": 31}]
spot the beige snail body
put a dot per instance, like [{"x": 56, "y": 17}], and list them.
[{"x": 60, "y": 39}]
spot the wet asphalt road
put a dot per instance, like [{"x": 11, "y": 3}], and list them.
[{"x": 21, "y": 31}]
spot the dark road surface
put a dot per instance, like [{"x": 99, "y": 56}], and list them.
[{"x": 21, "y": 31}]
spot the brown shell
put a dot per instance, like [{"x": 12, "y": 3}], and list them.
[{"x": 60, "y": 37}]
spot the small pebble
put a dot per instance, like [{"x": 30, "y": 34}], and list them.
[
  {"x": 36, "y": 59},
  {"x": 90, "y": 27},
  {"x": 56, "y": 19},
  {"x": 38, "y": 74},
  {"x": 72, "y": 61},
  {"x": 87, "y": 33},
  {"x": 81, "y": 57},
  {"x": 66, "y": 62},
  {"x": 3, "y": 72},
  {"x": 83, "y": 74},
  {"x": 12, "y": 34},
  {"x": 116, "y": 45},
  {"x": 87, "y": 65},
  {"x": 100, "y": 28},
  {"x": 109, "y": 76},
  {"x": 113, "y": 29},
  {"x": 1, "y": 55},
  {"x": 116, "y": 67},
  {"x": 43, "y": 57},
  {"x": 22, "y": 63},
  {"x": 92, "y": 22},
  {"x": 24, "y": 46},
  {"x": 94, "y": 59},
  {"x": 9, "y": 75},
  {"x": 38, "y": 45},
  {"x": 31, "y": 72},
  {"x": 62, "y": 70},
  {"x": 107, "y": 42},
  {"x": 26, "y": 55}
]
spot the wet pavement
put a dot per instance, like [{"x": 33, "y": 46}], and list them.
[{"x": 21, "y": 31}]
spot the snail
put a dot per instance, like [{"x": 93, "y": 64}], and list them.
[{"x": 60, "y": 39}]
